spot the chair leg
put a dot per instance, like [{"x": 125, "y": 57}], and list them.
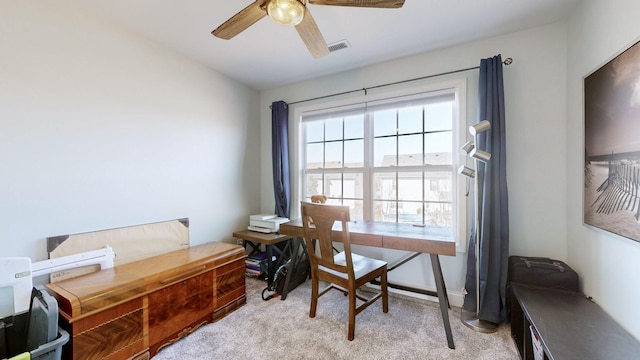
[
  {"x": 314, "y": 296},
  {"x": 385, "y": 292},
  {"x": 352, "y": 315}
]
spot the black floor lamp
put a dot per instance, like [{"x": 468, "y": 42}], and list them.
[{"x": 470, "y": 319}]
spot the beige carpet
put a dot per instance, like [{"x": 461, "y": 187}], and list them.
[{"x": 276, "y": 329}]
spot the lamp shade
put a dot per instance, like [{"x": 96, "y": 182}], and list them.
[
  {"x": 480, "y": 155},
  {"x": 468, "y": 146},
  {"x": 468, "y": 172},
  {"x": 286, "y": 12},
  {"x": 480, "y": 127}
]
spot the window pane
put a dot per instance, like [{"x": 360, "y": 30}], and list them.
[
  {"x": 356, "y": 209},
  {"x": 438, "y": 116},
  {"x": 384, "y": 211},
  {"x": 410, "y": 212},
  {"x": 439, "y": 214},
  {"x": 354, "y": 127},
  {"x": 384, "y": 186},
  {"x": 410, "y": 150},
  {"x": 314, "y": 185},
  {"x": 384, "y": 123},
  {"x": 384, "y": 151},
  {"x": 333, "y": 185},
  {"x": 438, "y": 186},
  {"x": 354, "y": 153},
  {"x": 353, "y": 186},
  {"x": 333, "y": 158},
  {"x": 333, "y": 129},
  {"x": 315, "y": 155},
  {"x": 315, "y": 131},
  {"x": 438, "y": 148},
  {"x": 410, "y": 186},
  {"x": 410, "y": 120}
]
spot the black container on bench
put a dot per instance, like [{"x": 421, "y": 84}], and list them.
[{"x": 541, "y": 272}]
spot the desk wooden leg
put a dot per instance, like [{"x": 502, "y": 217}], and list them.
[{"x": 443, "y": 298}]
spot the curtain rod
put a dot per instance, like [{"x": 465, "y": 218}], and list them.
[{"x": 506, "y": 61}]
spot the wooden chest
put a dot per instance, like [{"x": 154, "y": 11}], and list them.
[{"x": 132, "y": 310}]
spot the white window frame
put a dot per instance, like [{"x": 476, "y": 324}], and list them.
[{"x": 459, "y": 201}]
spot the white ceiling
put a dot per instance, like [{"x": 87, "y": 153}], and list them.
[{"x": 268, "y": 55}]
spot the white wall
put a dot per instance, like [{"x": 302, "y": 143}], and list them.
[
  {"x": 100, "y": 128},
  {"x": 535, "y": 92},
  {"x": 609, "y": 265}
]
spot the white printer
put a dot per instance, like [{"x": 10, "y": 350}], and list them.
[{"x": 266, "y": 223}]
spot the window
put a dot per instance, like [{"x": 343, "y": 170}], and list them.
[{"x": 391, "y": 159}]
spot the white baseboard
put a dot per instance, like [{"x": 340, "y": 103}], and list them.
[{"x": 455, "y": 298}]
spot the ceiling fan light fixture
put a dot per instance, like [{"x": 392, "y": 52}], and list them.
[{"x": 286, "y": 12}]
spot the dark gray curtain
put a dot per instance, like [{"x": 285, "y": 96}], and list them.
[
  {"x": 280, "y": 151},
  {"x": 492, "y": 197}
]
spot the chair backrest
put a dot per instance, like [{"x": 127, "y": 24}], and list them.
[{"x": 318, "y": 221}]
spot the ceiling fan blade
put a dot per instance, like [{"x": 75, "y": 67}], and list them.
[
  {"x": 361, "y": 3},
  {"x": 311, "y": 36},
  {"x": 240, "y": 21}
]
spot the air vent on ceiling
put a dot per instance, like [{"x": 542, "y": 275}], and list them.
[{"x": 338, "y": 45}]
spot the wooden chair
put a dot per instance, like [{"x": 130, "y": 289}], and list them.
[{"x": 345, "y": 271}]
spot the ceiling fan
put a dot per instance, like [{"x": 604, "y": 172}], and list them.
[{"x": 293, "y": 13}]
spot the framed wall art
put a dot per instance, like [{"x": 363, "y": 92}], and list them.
[{"x": 612, "y": 145}]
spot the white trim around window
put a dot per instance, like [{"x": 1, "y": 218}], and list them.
[{"x": 379, "y": 100}]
